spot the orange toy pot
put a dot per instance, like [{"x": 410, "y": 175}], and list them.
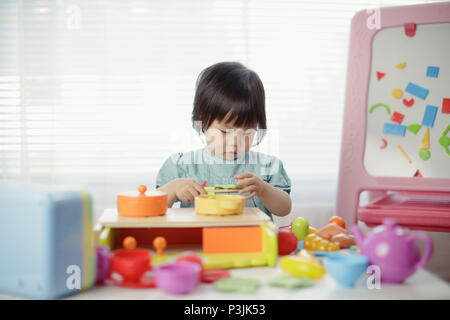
[{"x": 154, "y": 203}]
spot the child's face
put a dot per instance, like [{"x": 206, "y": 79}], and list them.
[{"x": 227, "y": 141}]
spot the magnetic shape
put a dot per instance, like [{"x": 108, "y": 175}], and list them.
[
  {"x": 400, "y": 65},
  {"x": 429, "y": 116},
  {"x": 408, "y": 103},
  {"x": 290, "y": 282},
  {"x": 444, "y": 141},
  {"x": 397, "y": 93},
  {"x": 424, "y": 154},
  {"x": 237, "y": 285},
  {"x": 416, "y": 90},
  {"x": 395, "y": 129},
  {"x": 383, "y": 146},
  {"x": 425, "y": 143},
  {"x": 410, "y": 29},
  {"x": 432, "y": 71},
  {"x": 397, "y": 117},
  {"x": 418, "y": 174},
  {"x": 380, "y": 75},
  {"x": 376, "y": 105},
  {"x": 414, "y": 128},
  {"x": 445, "y": 105},
  {"x": 399, "y": 147}
]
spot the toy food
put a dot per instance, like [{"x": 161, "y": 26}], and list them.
[
  {"x": 393, "y": 250},
  {"x": 312, "y": 230},
  {"x": 287, "y": 242},
  {"x": 178, "y": 278},
  {"x": 338, "y": 220},
  {"x": 189, "y": 256},
  {"x": 330, "y": 230},
  {"x": 315, "y": 243},
  {"x": 154, "y": 203},
  {"x": 219, "y": 204},
  {"x": 300, "y": 266},
  {"x": 343, "y": 240},
  {"x": 300, "y": 227}
]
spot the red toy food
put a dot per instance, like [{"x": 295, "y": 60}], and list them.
[{"x": 287, "y": 242}]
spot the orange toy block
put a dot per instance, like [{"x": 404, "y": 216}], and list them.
[{"x": 232, "y": 239}]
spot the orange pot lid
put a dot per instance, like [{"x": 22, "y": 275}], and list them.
[{"x": 142, "y": 194}]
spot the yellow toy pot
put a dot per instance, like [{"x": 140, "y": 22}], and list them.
[{"x": 219, "y": 204}]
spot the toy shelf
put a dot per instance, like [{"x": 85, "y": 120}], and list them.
[{"x": 413, "y": 210}]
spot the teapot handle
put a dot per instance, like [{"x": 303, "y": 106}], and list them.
[{"x": 428, "y": 247}]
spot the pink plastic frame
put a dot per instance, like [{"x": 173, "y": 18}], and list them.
[{"x": 353, "y": 178}]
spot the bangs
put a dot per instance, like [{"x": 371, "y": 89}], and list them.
[{"x": 231, "y": 93}]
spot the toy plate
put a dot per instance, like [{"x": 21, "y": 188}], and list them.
[{"x": 326, "y": 253}]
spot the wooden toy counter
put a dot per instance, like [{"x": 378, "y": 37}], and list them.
[{"x": 244, "y": 240}]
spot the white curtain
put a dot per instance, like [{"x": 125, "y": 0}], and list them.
[{"x": 99, "y": 93}]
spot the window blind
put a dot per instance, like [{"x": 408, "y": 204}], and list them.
[{"x": 100, "y": 92}]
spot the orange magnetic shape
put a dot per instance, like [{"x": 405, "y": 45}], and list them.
[
  {"x": 129, "y": 243},
  {"x": 232, "y": 239},
  {"x": 159, "y": 243}
]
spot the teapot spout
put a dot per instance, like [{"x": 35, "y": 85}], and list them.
[{"x": 359, "y": 236}]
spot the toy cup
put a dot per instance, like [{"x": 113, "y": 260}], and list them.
[
  {"x": 178, "y": 278},
  {"x": 131, "y": 264},
  {"x": 346, "y": 269}
]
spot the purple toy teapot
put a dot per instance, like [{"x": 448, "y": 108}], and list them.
[{"x": 392, "y": 249}]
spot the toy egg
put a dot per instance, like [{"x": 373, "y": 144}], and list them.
[
  {"x": 219, "y": 204},
  {"x": 154, "y": 203}
]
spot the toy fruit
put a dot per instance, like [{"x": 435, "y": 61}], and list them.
[
  {"x": 330, "y": 230},
  {"x": 287, "y": 242},
  {"x": 393, "y": 250},
  {"x": 338, "y": 220},
  {"x": 315, "y": 243},
  {"x": 300, "y": 266},
  {"x": 178, "y": 278},
  {"x": 103, "y": 264},
  {"x": 346, "y": 269},
  {"x": 300, "y": 228},
  {"x": 312, "y": 230},
  {"x": 154, "y": 203}
]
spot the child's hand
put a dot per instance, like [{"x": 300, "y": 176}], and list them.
[
  {"x": 187, "y": 189},
  {"x": 255, "y": 185}
]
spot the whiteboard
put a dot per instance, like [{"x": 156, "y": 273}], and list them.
[{"x": 430, "y": 46}]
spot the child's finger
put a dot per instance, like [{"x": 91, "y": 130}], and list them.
[
  {"x": 243, "y": 175},
  {"x": 247, "y": 190},
  {"x": 199, "y": 188},
  {"x": 247, "y": 181},
  {"x": 251, "y": 195},
  {"x": 192, "y": 193}
]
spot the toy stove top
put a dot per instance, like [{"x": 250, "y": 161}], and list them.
[{"x": 184, "y": 217}]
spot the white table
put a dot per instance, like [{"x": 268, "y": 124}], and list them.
[{"x": 422, "y": 285}]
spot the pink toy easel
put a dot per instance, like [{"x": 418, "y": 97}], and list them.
[{"x": 424, "y": 203}]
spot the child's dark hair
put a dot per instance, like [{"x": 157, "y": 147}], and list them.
[{"x": 229, "y": 89}]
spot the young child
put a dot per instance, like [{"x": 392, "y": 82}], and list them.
[{"x": 229, "y": 109}]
